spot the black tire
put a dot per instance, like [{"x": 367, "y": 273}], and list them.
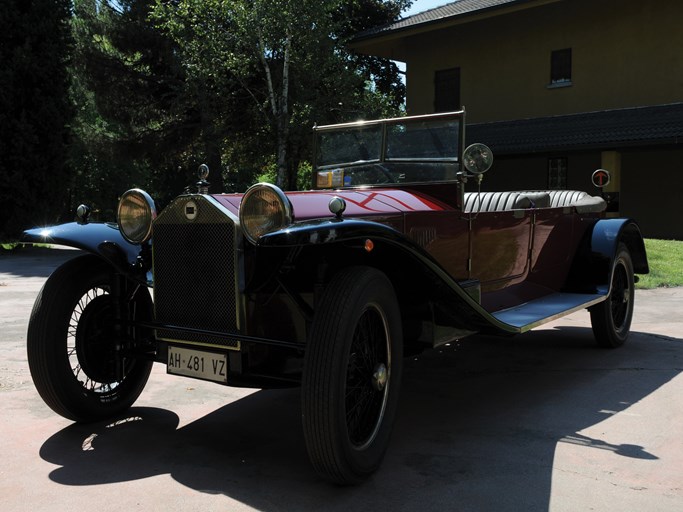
[
  {"x": 70, "y": 343},
  {"x": 611, "y": 319},
  {"x": 352, "y": 373}
]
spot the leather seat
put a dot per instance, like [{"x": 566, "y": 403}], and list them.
[
  {"x": 492, "y": 201},
  {"x": 565, "y": 197},
  {"x": 558, "y": 198},
  {"x": 502, "y": 201}
]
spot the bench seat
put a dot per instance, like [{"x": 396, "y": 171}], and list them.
[{"x": 517, "y": 200}]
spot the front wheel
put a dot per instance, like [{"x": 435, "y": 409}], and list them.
[
  {"x": 611, "y": 319},
  {"x": 79, "y": 367},
  {"x": 352, "y": 373}
]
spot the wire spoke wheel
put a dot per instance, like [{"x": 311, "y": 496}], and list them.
[
  {"x": 611, "y": 319},
  {"x": 367, "y": 378},
  {"x": 90, "y": 344},
  {"x": 352, "y": 372},
  {"x": 620, "y": 297},
  {"x": 78, "y": 365}
]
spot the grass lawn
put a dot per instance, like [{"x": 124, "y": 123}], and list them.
[
  {"x": 16, "y": 245},
  {"x": 666, "y": 264}
]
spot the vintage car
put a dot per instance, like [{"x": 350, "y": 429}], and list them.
[{"x": 325, "y": 289}]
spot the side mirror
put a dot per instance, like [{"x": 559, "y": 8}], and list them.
[{"x": 478, "y": 158}]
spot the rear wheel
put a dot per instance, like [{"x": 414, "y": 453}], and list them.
[
  {"x": 611, "y": 319},
  {"x": 79, "y": 367},
  {"x": 351, "y": 375}
]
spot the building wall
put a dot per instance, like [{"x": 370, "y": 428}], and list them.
[
  {"x": 652, "y": 191},
  {"x": 651, "y": 184},
  {"x": 531, "y": 172},
  {"x": 625, "y": 53}
]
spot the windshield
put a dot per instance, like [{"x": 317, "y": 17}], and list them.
[
  {"x": 410, "y": 149},
  {"x": 353, "y": 145}
]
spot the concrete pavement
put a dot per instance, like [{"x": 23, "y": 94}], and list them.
[{"x": 544, "y": 421}]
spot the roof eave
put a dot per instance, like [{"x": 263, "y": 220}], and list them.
[{"x": 363, "y": 38}]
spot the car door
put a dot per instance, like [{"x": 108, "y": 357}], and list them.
[{"x": 500, "y": 247}]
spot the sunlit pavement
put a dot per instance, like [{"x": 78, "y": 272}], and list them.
[{"x": 544, "y": 421}]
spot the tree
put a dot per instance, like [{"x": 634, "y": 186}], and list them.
[
  {"x": 163, "y": 85},
  {"x": 34, "y": 113},
  {"x": 140, "y": 121},
  {"x": 355, "y": 16},
  {"x": 289, "y": 58}
]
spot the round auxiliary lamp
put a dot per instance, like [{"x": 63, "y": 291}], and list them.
[{"x": 477, "y": 158}]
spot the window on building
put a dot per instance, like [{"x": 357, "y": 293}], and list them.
[
  {"x": 557, "y": 173},
  {"x": 447, "y": 90},
  {"x": 561, "y": 66}
]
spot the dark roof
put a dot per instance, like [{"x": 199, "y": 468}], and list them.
[
  {"x": 455, "y": 9},
  {"x": 640, "y": 126}
]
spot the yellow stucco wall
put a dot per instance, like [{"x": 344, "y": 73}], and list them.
[{"x": 624, "y": 53}]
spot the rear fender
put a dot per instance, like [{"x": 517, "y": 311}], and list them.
[
  {"x": 592, "y": 266},
  {"x": 101, "y": 239},
  {"x": 606, "y": 237}
]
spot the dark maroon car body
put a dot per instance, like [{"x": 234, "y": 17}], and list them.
[{"x": 272, "y": 309}]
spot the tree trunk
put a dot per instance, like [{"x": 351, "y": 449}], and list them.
[
  {"x": 283, "y": 122},
  {"x": 280, "y": 108},
  {"x": 212, "y": 145}
]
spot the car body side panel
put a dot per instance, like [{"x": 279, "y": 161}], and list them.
[
  {"x": 445, "y": 236},
  {"x": 500, "y": 248},
  {"x": 555, "y": 241},
  {"x": 466, "y": 312},
  {"x": 470, "y": 313}
]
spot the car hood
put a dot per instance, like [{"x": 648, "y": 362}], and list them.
[{"x": 359, "y": 203}]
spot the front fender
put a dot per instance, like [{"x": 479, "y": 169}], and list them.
[
  {"x": 101, "y": 239},
  {"x": 398, "y": 251},
  {"x": 327, "y": 231}
]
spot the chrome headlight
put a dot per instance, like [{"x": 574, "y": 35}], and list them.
[
  {"x": 264, "y": 208},
  {"x": 135, "y": 215}
]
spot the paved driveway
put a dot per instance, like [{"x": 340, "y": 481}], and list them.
[{"x": 544, "y": 421}]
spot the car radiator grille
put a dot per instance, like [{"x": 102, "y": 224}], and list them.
[{"x": 194, "y": 272}]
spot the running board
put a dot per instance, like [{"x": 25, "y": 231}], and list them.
[{"x": 546, "y": 309}]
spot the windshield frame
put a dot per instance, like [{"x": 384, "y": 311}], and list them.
[{"x": 458, "y": 116}]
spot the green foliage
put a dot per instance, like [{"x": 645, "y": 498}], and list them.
[
  {"x": 666, "y": 264},
  {"x": 14, "y": 246},
  {"x": 34, "y": 113},
  {"x": 288, "y": 63},
  {"x": 137, "y": 118},
  {"x": 355, "y": 16},
  {"x": 303, "y": 175},
  {"x": 97, "y": 96}
]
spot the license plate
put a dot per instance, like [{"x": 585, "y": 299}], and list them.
[{"x": 197, "y": 364}]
